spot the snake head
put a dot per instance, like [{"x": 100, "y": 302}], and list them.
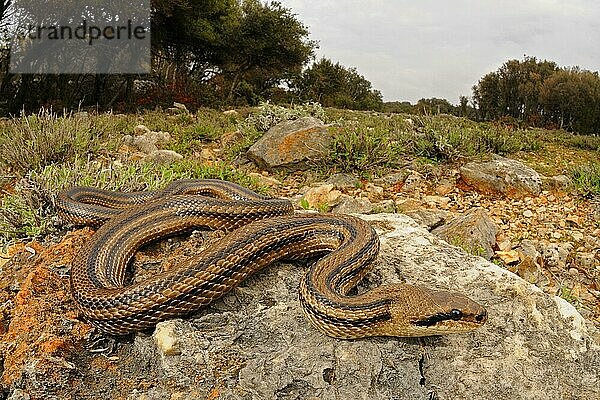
[{"x": 418, "y": 311}]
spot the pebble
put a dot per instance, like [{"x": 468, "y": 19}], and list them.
[
  {"x": 166, "y": 339},
  {"x": 528, "y": 214},
  {"x": 577, "y": 236}
]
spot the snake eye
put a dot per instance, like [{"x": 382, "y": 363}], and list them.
[{"x": 456, "y": 315}]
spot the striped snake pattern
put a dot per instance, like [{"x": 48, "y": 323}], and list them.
[{"x": 261, "y": 231}]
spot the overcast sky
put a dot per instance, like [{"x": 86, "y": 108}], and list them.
[{"x": 440, "y": 48}]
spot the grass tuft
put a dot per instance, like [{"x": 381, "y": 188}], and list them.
[
  {"x": 25, "y": 214},
  {"x": 32, "y": 142},
  {"x": 586, "y": 178}
]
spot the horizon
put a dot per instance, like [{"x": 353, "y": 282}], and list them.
[{"x": 412, "y": 51}]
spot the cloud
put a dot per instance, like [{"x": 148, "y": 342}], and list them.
[{"x": 430, "y": 48}]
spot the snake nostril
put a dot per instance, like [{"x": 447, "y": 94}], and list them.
[{"x": 480, "y": 317}]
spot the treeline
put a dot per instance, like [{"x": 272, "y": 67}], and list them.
[
  {"x": 432, "y": 106},
  {"x": 204, "y": 53},
  {"x": 540, "y": 94},
  {"x": 531, "y": 92}
]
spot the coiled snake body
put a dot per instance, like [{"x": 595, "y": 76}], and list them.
[{"x": 263, "y": 231}]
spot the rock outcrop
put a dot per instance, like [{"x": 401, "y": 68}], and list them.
[
  {"x": 255, "y": 343},
  {"x": 502, "y": 175},
  {"x": 474, "y": 231},
  {"x": 290, "y": 144},
  {"x": 146, "y": 143}
]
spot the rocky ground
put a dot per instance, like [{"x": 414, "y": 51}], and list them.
[{"x": 532, "y": 225}]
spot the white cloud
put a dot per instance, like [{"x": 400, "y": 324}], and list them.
[{"x": 428, "y": 48}]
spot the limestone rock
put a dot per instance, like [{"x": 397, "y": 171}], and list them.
[
  {"x": 322, "y": 196},
  {"x": 256, "y": 343},
  {"x": 502, "y": 175},
  {"x": 428, "y": 218},
  {"x": 474, "y": 230},
  {"x": 343, "y": 181},
  {"x": 350, "y": 205},
  {"x": 394, "y": 178},
  {"x": 164, "y": 156},
  {"x": 290, "y": 144},
  {"x": 558, "y": 183},
  {"x": 385, "y": 206}
]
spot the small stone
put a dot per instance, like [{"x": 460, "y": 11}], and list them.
[
  {"x": 585, "y": 260},
  {"x": 438, "y": 201},
  {"x": 404, "y": 206},
  {"x": 166, "y": 339},
  {"x": 141, "y": 130},
  {"x": 164, "y": 156},
  {"x": 444, "y": 187},
  {"x": 508, "y": 257},
  {"x": 505, "y": 245},
  {"x": 394, "y": 178},
  {"x": 180, "y": 106},
  {"x": 343, "y": 181},
  {"x": 386, "y": 206},
  {"x": 528, "y": 214},
  {"x": 208, "y": 155},
  {"x": 577, "y": 236},
  {"x": 556, "y": 235},
  {"x": 413, "y": 182},
  {"x": 231, "y": 113},
  {"x": 350, "y": 205},
  {"x": 322, "y": 196},
  {"x": 375, "y": 193}
]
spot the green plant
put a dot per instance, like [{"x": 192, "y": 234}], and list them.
[
  {"x": 566, "y": 293},
  {"x": 304, "y": 204},
  {"x": 268, "y": 115},
  {"x": 34, "y": 141},
  {"x": 586, "y": 178},
  {"x": 471, "y": 248},
  {"x": 360, "y": 147},
  {"x": 27, "y": 212}
]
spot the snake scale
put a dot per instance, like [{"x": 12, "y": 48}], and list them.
[{"x": 261, "y": 231}]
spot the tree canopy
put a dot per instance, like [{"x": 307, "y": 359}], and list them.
[
  {"x": 207, "y": 52},
  {"x": 334, "y": 85},
  {"x": 540, "y": 93}
]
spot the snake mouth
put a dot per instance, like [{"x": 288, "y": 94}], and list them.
[{"x": 453, "y": 320}]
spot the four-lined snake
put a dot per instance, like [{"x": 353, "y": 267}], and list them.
[{"x": 262, "y": 231}]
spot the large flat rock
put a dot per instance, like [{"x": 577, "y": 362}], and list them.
[{"x": 255, "y": 343}]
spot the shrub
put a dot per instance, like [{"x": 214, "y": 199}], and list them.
[{"x": 32, "y": 142}]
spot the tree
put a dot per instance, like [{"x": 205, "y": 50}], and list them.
[
  {"x": 334, "y": 85},
  {"x": 264, "y": 48},
  {"x": 434, "y": 106},
  {"x": 539, "y": 93},
  {"x": 571, "y": 99},
  {"x": 513, "y": 90}
]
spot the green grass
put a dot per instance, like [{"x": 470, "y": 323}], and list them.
[
  {"x": 26, "y": 213},
  {"x": 31, "y": 142},
  {"x": 586, "y": 178},
  {"x": 55, "y": 151},
  {"x": 371, "y": 141}
]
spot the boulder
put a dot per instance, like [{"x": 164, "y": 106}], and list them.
[
  {"x": 474, "y": 231},
  {"x": 290, "y": 144},
  {"x": 502, "y": 175},
  {"x": 255, "y": 343},
  {"x": 429, "y": 218}
]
